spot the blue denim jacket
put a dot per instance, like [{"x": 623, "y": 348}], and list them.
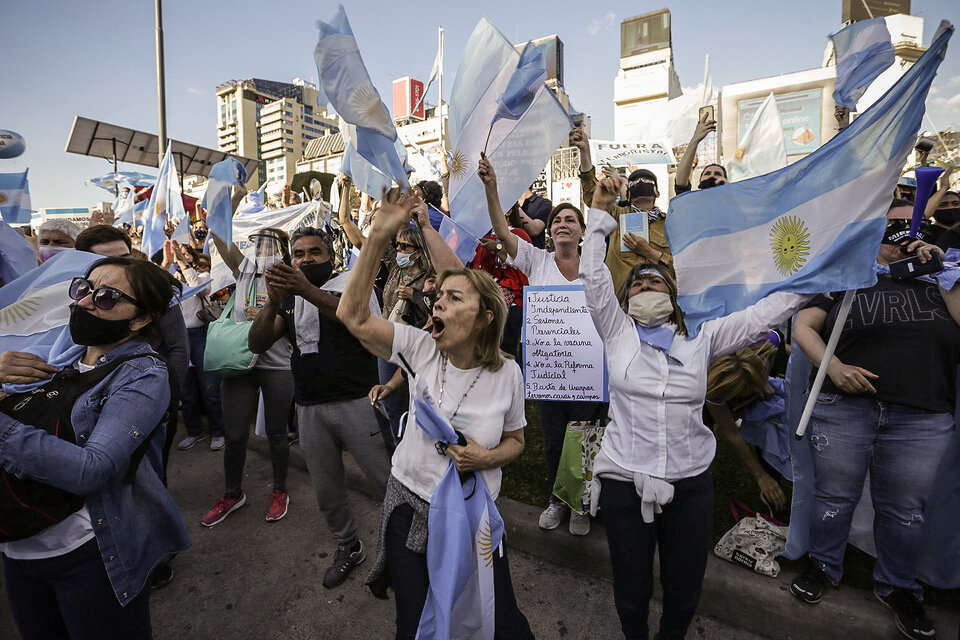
[{"x": 136, "y": 525}]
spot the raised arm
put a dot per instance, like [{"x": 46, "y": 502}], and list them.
[
  {"x": 441, "y": 255},
  {"x": 376, "y": 334},
  {"x": 608, "y": 317},
  {"x": 746, "y": 326},
  {"x": 935, "y": 199},
  {"x": 685, "y": 166},
  {"x": 346, "y": 221},
  {"x": 444, "y": 178},
  {"x": 497, "y": 219}
]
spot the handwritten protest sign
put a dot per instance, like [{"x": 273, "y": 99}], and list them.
[
  {"x": 562, "y": 352},
  {"x": 623, "y": 154}
]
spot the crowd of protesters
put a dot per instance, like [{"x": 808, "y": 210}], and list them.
[{"x": 333, "y": 348}]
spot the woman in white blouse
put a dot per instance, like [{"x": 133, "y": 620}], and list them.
[
  {"x": 558, "y": 267},
  {"x": 476, "y": 388},
  {"x": 654, "y": 465}
]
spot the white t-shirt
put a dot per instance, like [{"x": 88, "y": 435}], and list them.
[
  {"x": 539, "y": 265},
  {"x": 56, "y": 540},
  {"x": 494, "y": 405}
]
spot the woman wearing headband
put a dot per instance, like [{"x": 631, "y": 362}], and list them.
[{"x": 654, "y": 464}]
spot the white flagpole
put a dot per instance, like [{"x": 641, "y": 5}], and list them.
[
  {"x": 845, "y": 304},
  {"x": 440, "y": 82}
]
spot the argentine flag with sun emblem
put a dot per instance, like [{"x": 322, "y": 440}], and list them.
[
  {"x": 814, "y": 226},
  {"x": 499, "y": 102}
]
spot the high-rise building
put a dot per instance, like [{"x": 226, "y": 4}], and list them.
[
  {"x": 646, "y": 74},
  {"x": 271, "y": 121}
]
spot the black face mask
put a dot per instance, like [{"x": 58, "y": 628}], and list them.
[
  {"x": 89, "y": 330},
  {"x": 707, "y": 183},
  {"x": 317, "y": 273},
  {"x": 199, "y": 234},
  {"x": 641, "y": 190},
  {"x": 948, "y": 217}
]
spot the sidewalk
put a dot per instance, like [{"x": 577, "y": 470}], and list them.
[{"x": 731, "y": 594}]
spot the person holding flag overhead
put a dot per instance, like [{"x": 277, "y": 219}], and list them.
[
  {"x": 655, "y": 487},
  {"x": 478, "y": 391}
]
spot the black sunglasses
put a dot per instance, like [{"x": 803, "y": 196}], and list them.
[
  {"x": 404, "y": 245},
  {"x": 104, "y": 298}
]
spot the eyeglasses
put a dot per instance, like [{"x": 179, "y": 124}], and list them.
[
  {"x": 104, "y": 298},
  {"x": 404, "y": 245}
]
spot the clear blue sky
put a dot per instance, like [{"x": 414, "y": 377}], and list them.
[{"x": 96, "y": 59}]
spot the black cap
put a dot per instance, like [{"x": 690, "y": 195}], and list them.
[{"x": 642, "y": 173}]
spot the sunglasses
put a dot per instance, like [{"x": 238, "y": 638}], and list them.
[
  {"x": 104, "y": 298},
  {"x": 404, "y": 245}
]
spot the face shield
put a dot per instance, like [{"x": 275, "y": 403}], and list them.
[{"x": 262, "y": 252}]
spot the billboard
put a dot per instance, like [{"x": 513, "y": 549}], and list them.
[
  {"x": 407, "y": 93},
  {"x": 799, "y": 115},
  {"x": 854, "y": 10}
]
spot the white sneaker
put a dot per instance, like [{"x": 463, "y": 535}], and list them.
[
  {"x": 552, "y": 516},
  {"x": 579, "y": 524},
  {"x": 216, "y": 443},
  {"x": 188, "y": 442}
]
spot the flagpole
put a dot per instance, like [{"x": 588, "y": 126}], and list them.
[
  {"x": 841, "y": 319},
  {"x": 440, "y": 83},
  {"x": 161, "y": 91}
]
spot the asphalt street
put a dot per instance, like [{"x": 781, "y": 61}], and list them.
[{"x": 248, "y": 578}]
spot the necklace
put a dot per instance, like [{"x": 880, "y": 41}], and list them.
[{"x": 443, "y": 382}]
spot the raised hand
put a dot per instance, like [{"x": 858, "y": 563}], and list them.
[
  {"x": 486, "y": 173},
  {"x": 607, "y": 190},
  {"x": 704, "y": 126},
  {"x": 393, "y": 214}
]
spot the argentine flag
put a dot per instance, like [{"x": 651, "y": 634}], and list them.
[
  {"x": 15, "y": 198},
  {"x": 496, "y": 84},
  {"x": 863, "y": 51},
  {"x": 464, "y": 532},
  {"x": 166, "y": 204},
  {"x": 811, "y": 227},
  {"x": 347, "y": 85}
]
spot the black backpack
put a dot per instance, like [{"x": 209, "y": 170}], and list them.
[{"x": 28, "y": 506}]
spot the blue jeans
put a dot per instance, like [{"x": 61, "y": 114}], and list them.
[
  {"x": 682, "y": 535},
  {"x": 201, "y": 390},
  {"x": 70, "y": 597},
  {"x": 901, "y": 447}
]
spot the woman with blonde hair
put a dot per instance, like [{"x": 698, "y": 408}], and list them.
[{"x": 476, "y": 388}]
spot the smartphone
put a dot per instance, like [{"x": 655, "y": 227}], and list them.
[
  {"x": 707, "y": 114},
  {"x": 912, "y": 267}
]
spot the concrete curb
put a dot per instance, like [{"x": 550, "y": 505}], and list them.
[{"x": 732, "y": 594}]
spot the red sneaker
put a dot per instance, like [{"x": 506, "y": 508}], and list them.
[
  {"x": 279, "y": 501},
  {"x": 224, "y": 507}
]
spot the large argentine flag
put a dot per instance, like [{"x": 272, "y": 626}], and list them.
[
  {"x": 518, "y": 148},
  {"x": 15, "y": 198},
  {"x": 811, "y": 227}
]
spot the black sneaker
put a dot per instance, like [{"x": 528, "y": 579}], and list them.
[
  {"x": 344, "y": 560},
  {"x": 908, "y": 612},
  {"x": 808, "y": 586},
  {"x": 161, "y": 576}
]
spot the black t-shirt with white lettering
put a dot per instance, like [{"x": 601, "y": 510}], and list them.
[
  {"x": 342, "y": 369},
  {"x": 902, "y": 332}
]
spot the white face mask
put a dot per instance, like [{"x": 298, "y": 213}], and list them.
[
  {"x": 650, "y": 308},
  {"x": 404, "y": 260}
]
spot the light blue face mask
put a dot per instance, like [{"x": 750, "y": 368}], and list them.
[{"x": 405, "y": 260}]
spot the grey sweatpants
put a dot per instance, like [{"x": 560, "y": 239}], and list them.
[{"x": 325, "y": 431}]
